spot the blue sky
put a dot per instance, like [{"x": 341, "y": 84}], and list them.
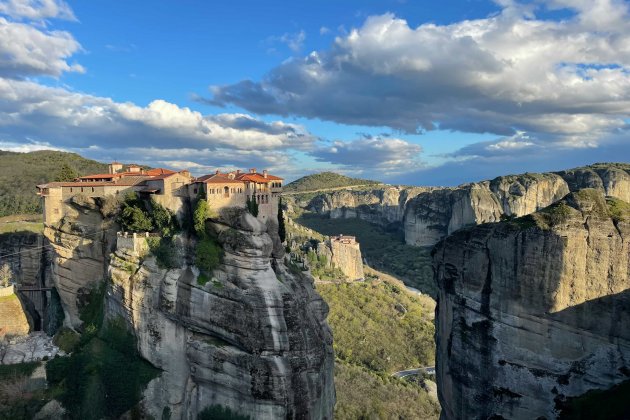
[{"x": 409, "y": 92}]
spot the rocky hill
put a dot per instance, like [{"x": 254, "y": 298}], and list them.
[
  {"x": 325, "y": 180},
  {"x": 533, "y": 312},
  {"x": 428, "y": 214}
]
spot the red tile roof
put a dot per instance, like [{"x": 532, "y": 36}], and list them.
[{"x": 159, "y": 171}]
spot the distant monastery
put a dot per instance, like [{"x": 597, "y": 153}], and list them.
[{"x": 169, "y": 188}]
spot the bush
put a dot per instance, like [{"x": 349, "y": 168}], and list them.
[
  {"x": 133, "y": 219},
  {"x": 207, "y": 255},
  {"x": 163, "y": 219},
  {"x": 165, "y": 252},
  {"x": 67, "y": 340}
]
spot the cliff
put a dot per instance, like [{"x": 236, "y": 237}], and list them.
[
  {"x": 534, "y": 311},
  {"x": 428, "y": 214},
  {"x": 13, "y": 315},
  {"x": 252, "y": 338}
]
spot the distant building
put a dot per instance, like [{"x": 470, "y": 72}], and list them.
[{"x": 167, "y": 187}]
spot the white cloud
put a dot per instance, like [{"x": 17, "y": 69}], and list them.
[
  {"x": 389, "y": 155},
  {"x": 562, "y": 81},
  {"x": 32, "y": 146},
  {"x": 28, "y": 51},
  {"x": 293, "y": 40},
  {"x": 36, "y": 9}
]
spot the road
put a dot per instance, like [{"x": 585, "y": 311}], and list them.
[{"x": 429, "y": 370}]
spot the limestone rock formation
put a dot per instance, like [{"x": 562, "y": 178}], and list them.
[
  {"x": 428, "y": 214},
  {"x": 346, "y": 255},
  {"x": 253, "y": 338},
  {"x": 534, "y": 310},
  {"x": 81, "y": 244}
]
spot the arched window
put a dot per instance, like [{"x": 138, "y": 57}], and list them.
[{"x": 226, "y": 192}]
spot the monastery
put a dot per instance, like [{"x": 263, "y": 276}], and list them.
[{"x": 169, "y": 188}]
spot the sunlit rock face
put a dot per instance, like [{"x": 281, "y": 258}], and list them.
[
  {"x": 428, "y": 214},
  {"x": 254, "y": 338},
  {"x": 533, "y": 311}
]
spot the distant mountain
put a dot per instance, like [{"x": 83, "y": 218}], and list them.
[
  {"x": 22, "y": 171},
  {"x": 324, "y": 180}
]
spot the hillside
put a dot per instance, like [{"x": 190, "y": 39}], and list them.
[
  {"x": 324, "y": 180},
  {"x": 379, "y": 328},
  {"x": 22, "y": 171}
]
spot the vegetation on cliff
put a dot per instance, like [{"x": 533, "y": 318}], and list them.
[
  {"x": 380, "y": 325},
  {"x": 362, "y": 394},
  {"x": 22, "y": 171},
  {"x": 104, "y": 376},
  {"x": 379, "y": 328},
  {"x": 324, "y": 180}
]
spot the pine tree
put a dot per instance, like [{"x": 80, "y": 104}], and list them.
[{"x": 66, "y": 173}]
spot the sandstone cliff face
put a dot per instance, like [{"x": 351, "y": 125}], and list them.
[
  {"x": 254, "y": 338},
  {"x": 382, "y": 205},
  {"x": 533, "y": 311},
  {"x": 27, "y": 257},
  {"x": 80, "y": 245},
  {"x": 430, "y": 214}
]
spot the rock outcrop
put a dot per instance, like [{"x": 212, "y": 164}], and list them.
[
  {"x": 253, "y": 338},
  {"x": 14, "y": 320},
  {"x": 344, "y": 253},
  {"x": 81, "y": 243},
  {"x": 534, "y": 310},
  {"x": 27, "y": 256}
]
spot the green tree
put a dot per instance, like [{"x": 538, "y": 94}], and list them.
[
  {"x": 163, "y": 219},
  {"x": 66, "y": 173},
  {"x": 282, "y": 232},
  {"x": 133, "y": 219},
  {"x": 199, "y": 218},
  {"x": 252, "y": 205},
  {"x": 208, "y": 255}
]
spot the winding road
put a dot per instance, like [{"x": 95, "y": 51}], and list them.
[{"x": 429, "y": 370}]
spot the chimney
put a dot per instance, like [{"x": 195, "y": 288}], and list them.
[
  {"x": 238, "y": 172},
  {"x": 216, "y": 172},
  {"x": 265, "y": 173},
  {"x": 252, "y": 171}
]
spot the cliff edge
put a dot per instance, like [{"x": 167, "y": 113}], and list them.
[{"x": 534, "y": 311}]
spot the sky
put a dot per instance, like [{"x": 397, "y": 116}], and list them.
[{"x": 402, "y": 91}]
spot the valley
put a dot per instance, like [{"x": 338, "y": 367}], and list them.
[{"x": 514, "y": 270}]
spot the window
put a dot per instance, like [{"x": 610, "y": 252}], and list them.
[
  {"x": 70, "y": 189},
  {"x": 92, "y": 189},
  {"x": 81, "y": 189},
  {"x": 194, "y": 190},
  {"x": 56, "y": 211}
]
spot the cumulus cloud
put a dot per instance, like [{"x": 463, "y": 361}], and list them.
[
  {"x": 36, "y": 9},
  {"x": 34, "y": 116},
  {"x": 561, "y": 81},
  {"x": 389, "y": 155},
  {"x": 72, "y": 119},
  {"x": 29, "y": 51}
]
